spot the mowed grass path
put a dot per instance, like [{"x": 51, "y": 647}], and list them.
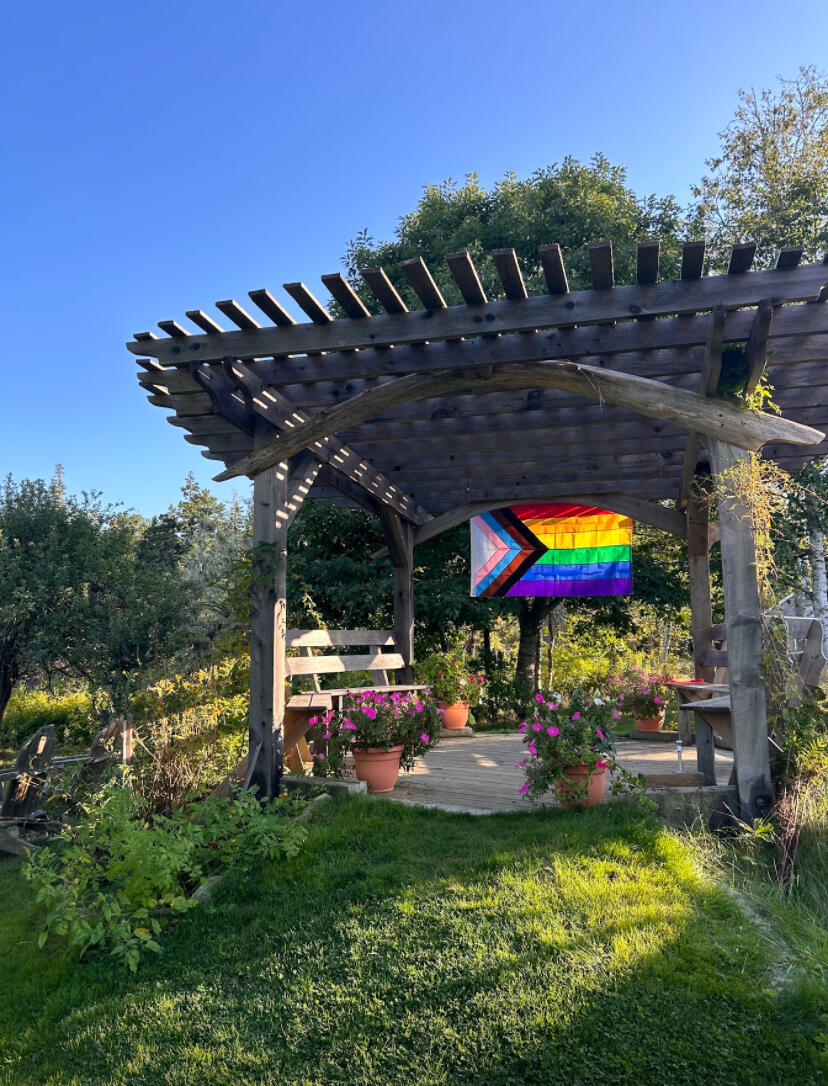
[{"x": 412, "y": 946}]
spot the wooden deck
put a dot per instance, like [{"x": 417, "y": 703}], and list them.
[{"x": 480, "y": 774}]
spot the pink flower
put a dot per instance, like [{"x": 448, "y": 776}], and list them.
[
  {"x": 520, "y": 765},
  {"x": 536, "y": 727},
  {"x": 538, "y": 697},
  {"x": 600, "y": 734},
  {"x": 551, "y": 705},
  {"x": 419, "y": 707},
  {"x": 552, "y": 730},
  {"x": 524, "y": 788},
  {"x": 347, "y": 726},
  {"x": 657, "y": 701},
  {"x": 425, "y": 738},
  {"x": 533, "y": 750},
  {"x": 327, "y": 735},
  {"x": 522, "y": 728},
  {"x": 320, "y": 756},
  {"x": 615, "y": 714},
  {"x": 370, "y": 713},
  {"x": 600, "y": 765},
  {"x": 314, "y": 720},
  {"x": 576, "y": 716}
]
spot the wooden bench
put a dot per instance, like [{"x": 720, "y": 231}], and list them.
[
  {"x": 710, "y": 702},
  {"x": 381, "y": 661}
]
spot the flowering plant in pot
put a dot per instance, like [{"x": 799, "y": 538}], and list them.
[
  {"x": 453, "y": 684},
  {"x": 642, "y": 699},
  {"x": 569, "y": 747},
  {"x": 384, "y": 731}
]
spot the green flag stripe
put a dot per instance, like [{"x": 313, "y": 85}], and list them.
[{"x": 586, "y": 556}]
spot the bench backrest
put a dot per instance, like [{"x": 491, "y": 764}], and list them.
[
  {"x": 804, "y": 640},
  {"x": 375, "y": 661}
]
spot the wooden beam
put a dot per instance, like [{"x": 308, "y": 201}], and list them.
[
  {"x": 203, "y": 321},
  {"x": 272, "y": 406},
  {"x": 465, "y": 276},
  {"x": 400, "y": 537},
  {"x": 601, "y": 264},
  {"x": 342, "y": 292},
  {"x": 698, "y": 561},
  {"x": 554, "y": 270},
  {"x": 646, "y": 262},
  {"x": 422, "y": 283},
  {"x": 240, "y": 317},
  {"x": 708, "y": 383},
  {"x": 384, "y": 290},
  {"x": 658, "y": 516},
  {"x": 741, "y": 258},
  {"x": 743, "y": 615},
  {"x": 508, "y": 270},
  {"x": 789, "y": 257},
  {"x": 692, "y": 260},
  {"x": 268, "y": 614},
  {"x": 309, "y": 304},
  {"x": 271, "y": 308},
  {"x": 542, "y": 311},
  {"x": 756, "y": 351},
  {"x": 721, "y": 420}
]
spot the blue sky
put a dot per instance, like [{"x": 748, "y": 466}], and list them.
[{"x": 158, "y": 156}]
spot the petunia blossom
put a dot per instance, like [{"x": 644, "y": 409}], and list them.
[
  {"x": 524, "y": 788},
  {"x": 552, "y": 730},
  {"x": 424, "y": 738},
  {"x": 576, "y": 716}
]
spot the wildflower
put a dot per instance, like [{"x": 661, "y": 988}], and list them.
[
  {"x": 524, "y": 788},
  {"x": 576, "y": 716},
  {"x": 600, "y": 765},
  {"x": 537, "y": 727},
  {"x": 600, "y": 734},
  {"x": 552, "y": 730},
  {"x": 522, "y": 728},
  {"x": 348, "y": 726},
  {"x": 370, "y": 713},
  {"x": 533, "y": 750},
  {"x": 327, "y": 735},
  {"x": 599, "y": 701},
  {"x": 616, "y": 714},
  {"x": 657, "y": 701},
  {"x": 425, "y": 738},
  {"x": 538, "y": 697},
  {"x": 520, "y": 765},
  {"x": 320, "y": 756},
  {"x": 420, "y": 708},
  {"x": 314, "y": 720},
  {"x": 551, "y": 705}
]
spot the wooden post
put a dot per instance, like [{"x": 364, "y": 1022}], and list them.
[
  {"x": 744, "y": 642},
  {"x": 399, "y": 534},
  {"x": 701, "y": 608},
  {"x": 268, "y": 620}
]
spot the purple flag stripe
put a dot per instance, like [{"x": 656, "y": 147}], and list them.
[{"x": 605, "y": 587}]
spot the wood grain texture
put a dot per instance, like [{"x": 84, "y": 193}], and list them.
[{"x": 802, "y": 283}]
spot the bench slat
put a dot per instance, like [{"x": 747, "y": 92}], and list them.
[
  {"x": 326, "y": 639},
  {"x": 329, "y": 665}
]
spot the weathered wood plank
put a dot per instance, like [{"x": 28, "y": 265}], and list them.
[
  {"x": 465, "y": 276},
  {"x": 601, "y": 264},
  {"x": 741, "y": 258},
  {"x": 692, "y": 260},
  {"x": 509, "y": 273},
  {"x": 309, "y": 304},
  {"x": 271, "y": 308},
  {"x": 543, "y": 311},
  {"x": 342, "y": 292},
  {"x": 323, "y": 639},
  {"x": 720, "y": 420},
  {"x": 335, "y": 665},
  {"x": 384, "y": 290},
  {"x": 239, "y": 316},
  {"x": 646, "y": 261},
  {"x": 748, "y": 712},
  {"x": 422, "y": 283},
  {"x": 756, "y": 349},
  {"x": 554, "y": 270}
]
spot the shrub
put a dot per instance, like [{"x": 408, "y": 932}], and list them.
[
  {"x": 640, "y": 695},
  {"x": 373, "y": 719},
  {"x": 450, "y": 678},
  {"x": 72, "y": 714},
  {"x": 115, "y": 880}
]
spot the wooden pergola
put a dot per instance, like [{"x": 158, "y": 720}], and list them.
[{"x": 427, "y": 417}]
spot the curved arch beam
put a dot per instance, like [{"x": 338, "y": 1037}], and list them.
[{"x": 712, "y": 417}]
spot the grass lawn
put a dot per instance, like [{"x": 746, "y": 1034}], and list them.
[{"x": 411, "y": 946}]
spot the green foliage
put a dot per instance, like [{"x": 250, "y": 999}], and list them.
[
  {"x": 72, "y": 714},
  {"x": 769, "y": 182},
  {"x": 190, "y": 732},
  {"x": 640, "y": 695},
  {"x": 566, "y": 731},
  {"x": 372, "y": 720},
  {"x": 451, "y": 678},
  {"x": 116, "y": 880}
]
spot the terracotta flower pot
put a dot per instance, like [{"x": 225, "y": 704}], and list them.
[
  {"x": 651, "y": 723},
  {"x": 454, "y": 716},
  {"x": 379, "y": 768},
  {"x": 573, "y": 791}
]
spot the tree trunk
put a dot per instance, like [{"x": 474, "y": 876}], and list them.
[
  {"x": 531, "y": 616},
  {"x": 816, "y": 548},
  {"x": 8, "y": 680}
]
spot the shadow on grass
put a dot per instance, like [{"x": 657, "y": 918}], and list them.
[{"x": 413, "y": 946}]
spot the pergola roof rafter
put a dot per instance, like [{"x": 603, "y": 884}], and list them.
[{"x": 589, "y": 389}]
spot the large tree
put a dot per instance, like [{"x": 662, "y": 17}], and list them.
[
  {"x": 570, "y": 203},
  {"x": 769, "y": 181}
]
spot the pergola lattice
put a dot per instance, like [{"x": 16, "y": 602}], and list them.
[{"x": 606, "y": 396}]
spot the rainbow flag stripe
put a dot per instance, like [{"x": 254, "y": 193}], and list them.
[{"x": 551, "y": 549}]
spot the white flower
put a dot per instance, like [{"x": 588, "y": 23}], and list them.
[{"x": 598, "y": 701}]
